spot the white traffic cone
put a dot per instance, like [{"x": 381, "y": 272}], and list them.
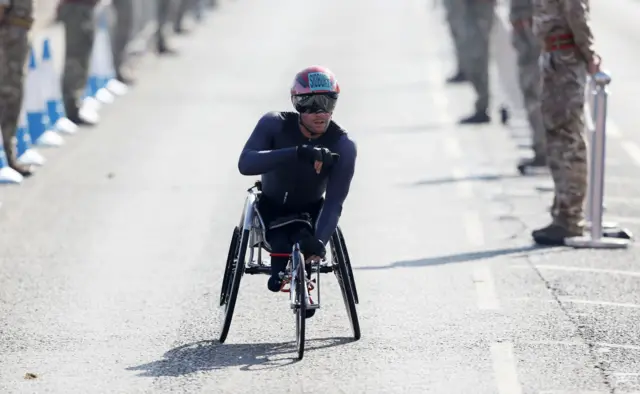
[
  {"x": 53, "y": 94},
  {"x": 37, "y": 117}
]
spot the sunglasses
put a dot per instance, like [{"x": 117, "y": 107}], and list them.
[{"x": 314, "y": 103}]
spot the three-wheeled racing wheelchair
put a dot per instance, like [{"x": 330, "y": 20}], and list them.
[{"x": 250, "y": 235}]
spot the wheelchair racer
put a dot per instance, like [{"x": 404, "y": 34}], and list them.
[{"x": 294, "y": 152}]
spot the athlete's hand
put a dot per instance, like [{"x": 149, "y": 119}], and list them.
[
  {"x": 312, "y": 247},
  {"x": 318, "y": 156}
]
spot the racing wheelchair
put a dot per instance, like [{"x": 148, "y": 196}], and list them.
[{"x": 250, "y": 235}]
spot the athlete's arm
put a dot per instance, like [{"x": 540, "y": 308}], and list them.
[
  {"x": 337, "y": 190},
  {"x": 257, "y": 157}
]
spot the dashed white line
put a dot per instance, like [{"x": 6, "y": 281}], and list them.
[
  {"x": 465, "y": 188},
  {"x": 485, "y": 289},
  {"x": 504, "y": 368},
  {"x": 452, "y": 147},
  {"x": 474, "y": 229}
]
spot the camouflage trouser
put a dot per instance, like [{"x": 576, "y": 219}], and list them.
[
  {"x": 528, "y": 53},
  {"x": 14, "y": 48},
  {"x": 80, "y": 29},
  {"x": 163, "y": 7},
  {"x": 478, "y": 22},
  {"x": 124, "y": 25},
  {"x": 455, "y": 19},
  {"x": 564, "y": 77}
]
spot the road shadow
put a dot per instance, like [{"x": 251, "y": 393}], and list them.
[
  {"x": 212, "y": 355},
  {"x": 462, "y": 257},
  {"x": 472, "y": 178},
  {"x": 417, "y": 128}
]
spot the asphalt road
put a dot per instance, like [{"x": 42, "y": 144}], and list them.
[{"x": 113, "y": 253}]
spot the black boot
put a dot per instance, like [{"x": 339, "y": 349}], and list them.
[
  {"x": 477, "y": 118},
  {"x": 555, "y": 234}
]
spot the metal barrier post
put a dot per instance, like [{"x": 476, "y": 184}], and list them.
[{"x": 596, "y": 238}]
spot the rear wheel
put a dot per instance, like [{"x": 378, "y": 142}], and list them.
[
  {"x": 228, "y": 269},
  {"x": 345, "y": 285},
  {"x": 234, "y": 285},
  {"x": 301, "y": 301},
  {"x": 347, "y": 260}
]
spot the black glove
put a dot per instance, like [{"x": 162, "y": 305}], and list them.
[
  {"x": 312, "y": 246},
  {"x": 311, "y": 154}
]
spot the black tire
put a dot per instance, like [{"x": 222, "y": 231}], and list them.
[
  {"x": 347, "y": 259},
  {"x": 345, "y": 285},
  {"x": 228, "y": 269},
  {"x": 238, "y": 272},
  {"x": 301, "y": 310}
]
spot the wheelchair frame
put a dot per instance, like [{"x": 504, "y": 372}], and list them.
[{"x": 250, "y": 234}]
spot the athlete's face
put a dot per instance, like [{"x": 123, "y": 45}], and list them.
[{"x": 317, "y": 122}]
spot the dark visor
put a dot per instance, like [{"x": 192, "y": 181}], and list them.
[{"x": 315, "y": 102}]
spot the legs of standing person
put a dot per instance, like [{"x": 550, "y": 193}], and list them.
[
  {"x": 162, "y": 18},
  {"x": 14, "y": 49},
  {"x": 124, "y": 26},
  {"x": 564, "y": 80},
  {"x": 480, "y": 15},
  {"x": 454, "y": 11},
  {"x": 79, "y": 37},
  {"x": 183, "y": 7},
  {"x": 528, "y": 53}
]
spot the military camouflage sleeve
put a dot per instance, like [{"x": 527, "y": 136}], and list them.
[
  {"x": 520, "y": 9},
  {"x": 577, "y": 15}
]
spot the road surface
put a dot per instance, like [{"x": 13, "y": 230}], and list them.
[{"x": 113, "y": 253}]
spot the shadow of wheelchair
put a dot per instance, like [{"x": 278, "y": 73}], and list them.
[{"x": 211, "y": 355}]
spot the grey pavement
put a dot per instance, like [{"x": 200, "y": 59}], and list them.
[{"x": 113, "y": 252}]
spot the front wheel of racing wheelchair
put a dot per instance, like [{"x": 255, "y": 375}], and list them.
[{"x": 249, "y": 235}]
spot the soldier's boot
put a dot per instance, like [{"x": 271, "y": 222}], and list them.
[
  {"x": 12, "y": 161},
  {"x": 555, "y": 234},
  {"x": 124, "y": 79},
  {"x": 163, "y": 49},
  {"x": 538, "y": 161},
  {"x": 477, "y": 118},
  {"x": 457, "y": 78}
]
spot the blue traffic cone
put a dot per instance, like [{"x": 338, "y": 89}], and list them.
[
  {"x": 26, "y": 153},
  {"x": 53, "y": 94},
  {"x": 37, "y": 117}
]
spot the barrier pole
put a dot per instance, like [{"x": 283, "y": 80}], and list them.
[{"x": 595, "y": 239}]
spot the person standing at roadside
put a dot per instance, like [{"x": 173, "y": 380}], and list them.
[
  {"x": 564, "y": 28},
  {"x": 16, "y": 19},
  {"x": 528, "y": 52},
  {"x": 79, "y": 25}
]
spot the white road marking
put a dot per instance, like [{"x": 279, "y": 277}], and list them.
[
  {"x": 572, "y": 343},
  {"x": 485, "y": 289},
  {"x": 613, "y": 131},
  {"x": 504, "y": 368},
  {"x": 633, "y": 150},
  {"x": 482, "y": 277},
  {"x": 599, "y": 303},
  {"x": 465, "y": 187},
  {"x": 474, "y": 229},
  {"x": 583, "y": 269},
  {"x": 452, "y": 147}
]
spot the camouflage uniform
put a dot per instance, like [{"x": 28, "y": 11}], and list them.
[
  {"x": 124, "y": 26},
  {"x": 164, "y": 7},
  {"x": 528, "y": 52},
  {"x": 564, "y": 28},
  {"x": 14, "y": 48},
  {"x": 79, "y": 23},
  {"x": 479, "y": 17},
  {"x": 455, "y": 18}
]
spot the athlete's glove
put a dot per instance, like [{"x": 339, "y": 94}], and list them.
[
  {"x": 312, "y": 246},
  {"x": 312, "y": 154}
]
